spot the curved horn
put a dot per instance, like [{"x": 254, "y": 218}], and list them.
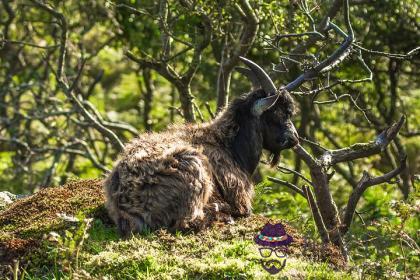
[
  {"x": 250, "y": 75},
  {"x": 265, "y": 80}
]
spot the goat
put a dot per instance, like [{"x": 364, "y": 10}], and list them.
[{"x": 169, "y": 179}]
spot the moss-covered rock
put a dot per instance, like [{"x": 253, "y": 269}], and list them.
[
  {"x": 6, "y": 198},
  {"x": 24, "y": 223}
]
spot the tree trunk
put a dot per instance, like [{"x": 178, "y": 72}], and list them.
[
  {"x": 327, "y": 207},
  {"x": 186, "y": 98},
  {"x": 147, "y": 99},
  {"x": 223, "y": 85}
]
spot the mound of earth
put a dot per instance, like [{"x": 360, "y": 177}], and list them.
[{"x": 25, "y": 223}]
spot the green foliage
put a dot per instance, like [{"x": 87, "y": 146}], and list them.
[
  {"x": 64, "y": 250},
  {"x": 387, "y": 236}
]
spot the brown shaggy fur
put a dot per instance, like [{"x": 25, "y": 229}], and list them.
[{"x": 171, "y": 179}]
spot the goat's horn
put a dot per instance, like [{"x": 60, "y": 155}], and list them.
[
  {"x": 250, "y": 75},
  {"x": 263, "y": 78}
]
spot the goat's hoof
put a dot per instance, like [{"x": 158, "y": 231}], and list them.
[
  {"x": 230, "y": 220},
  {"x": 215, "y": 207}
]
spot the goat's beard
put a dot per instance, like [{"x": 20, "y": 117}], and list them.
[{"x": 274, "y": 159}]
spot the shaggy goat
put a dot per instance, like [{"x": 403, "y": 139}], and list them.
[{"x": 170, "y": 179}]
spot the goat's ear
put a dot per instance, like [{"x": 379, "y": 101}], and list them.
[
  {"x": 263, "y": 104},
  {"x": 251, "y": 76}
]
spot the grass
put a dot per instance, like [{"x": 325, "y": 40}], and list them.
[
  {"x": 217, "y": 253},
  {"x": 91, "y": 248}
]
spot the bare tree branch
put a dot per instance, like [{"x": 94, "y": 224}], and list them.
[
  {"x": 362, "y": 150},
  {"x": 230, "y": 59},
  {"x": 316, "y": 214},
  {"x": 365, "y": 182},
  {"x": 287, "y": 184},
  {"x": 406, "y": 56}
]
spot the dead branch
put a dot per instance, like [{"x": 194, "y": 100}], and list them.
[
  {"x": 288, "y": 171},
  {"x": 287, "y": 184},
  {"x": 365, "y": 182},
  {"x": 61, "y": 79},
  {"x": 316, "y": 214}
]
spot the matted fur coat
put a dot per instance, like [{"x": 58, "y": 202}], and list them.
[{"x": 176, "y": 178}]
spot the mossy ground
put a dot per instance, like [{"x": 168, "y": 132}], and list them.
[
  {"x": 220, "y": 252},
  {"x": 24, "y": 223}
]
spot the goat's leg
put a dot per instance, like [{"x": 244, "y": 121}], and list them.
[
  {"x": 237, "y": 192},
  {"x": 238, "y": 202},
  {"x": 229, "y": 204},
  {"x": 233, "y": 185},
  {"x": 217, "y": 210}
]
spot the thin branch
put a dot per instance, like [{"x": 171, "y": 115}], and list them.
[
  {"x": 307, "y": 157},
  {"x": 197, "y": 109},
  {"x": 109, "y": 124},
  {"x": 288, "y": 171},
  {"x": 130, "y": 8},
  {"x": 365, "y": 182},
  {"x": 316, "y": 214},
  {"x": 209, "y": 110},
  {"x": 29, "y": 44},
  {"x": 406, "y": 56},
  {"x": 313, "y": 143},
  {"x": 287, "y": 184}
]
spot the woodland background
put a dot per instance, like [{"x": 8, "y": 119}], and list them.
[{"x": 80, "y": 78}]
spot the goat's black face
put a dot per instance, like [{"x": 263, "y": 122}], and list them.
[
  {"x": 272, "y": 130},
  {"x": 273, "y": 110},
  {"x": 278, "y": 130}
]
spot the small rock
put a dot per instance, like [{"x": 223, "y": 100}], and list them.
[{"x": 6, "y": 198}]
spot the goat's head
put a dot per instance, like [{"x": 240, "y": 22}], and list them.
[{"x": 273, "y": 109}]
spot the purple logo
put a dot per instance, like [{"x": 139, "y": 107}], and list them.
[{"x": 273, "y": 241}]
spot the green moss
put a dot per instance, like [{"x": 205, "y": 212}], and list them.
[
  {"x": 221, "y": 252},
  {"x": 362, "y": 146}
]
